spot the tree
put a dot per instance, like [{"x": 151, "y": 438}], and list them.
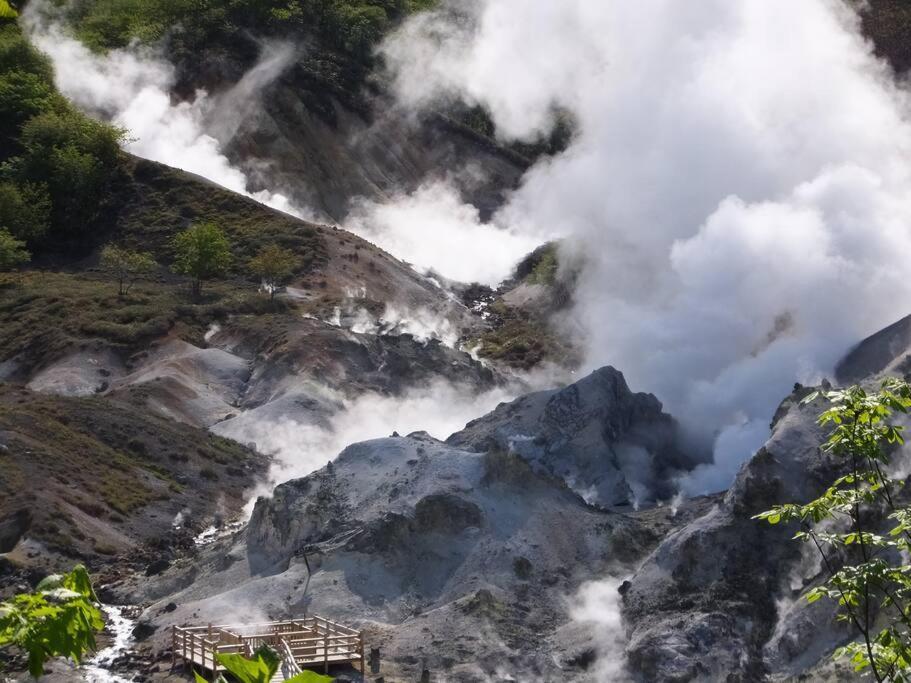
[
  {"x": 23, "y": 95},
  {"x": 25, "y": 210},
  {"x": 202, "y": 252},
  {"x": 126, "y": 265},
  {"x": 12, "y": 251},
  {"x": 273, "y": 265},
  {"x": 868, "y": 571},
  {"x": 59, "y": 619},
  {"x": 76, "y": 158},
  {"x": 259, "y": 669}
]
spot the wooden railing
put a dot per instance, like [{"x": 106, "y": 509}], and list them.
[
  {"x": 308, "y": 642},
  {"x": 289, "y": 663}
]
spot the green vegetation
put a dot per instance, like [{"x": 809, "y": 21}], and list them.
[
  {"x": 259, "y": 669},
  {"x": 76, "y": 158},
  {"x": 353, "y": 26},
  {"x": 522, "y": 335},
  {"x": 155, "y": 202},
  {"x": 202, "y": 252},
  {"x": 540, "y": 266},
  {"x": 126, "y": 266},
  {"x": 869, "y": 575},
  {"x": 544, "y": 271},
  {"x": 47, "y": 314},
  {"x": 273, "y": 265},
  {"x": 12, "y": 252},
  {"x": 59, "y": 619},
  {"x": 57, "y": 166},
  {"x": 521, "y": 339},
  {"x": 25, "y": 209}
]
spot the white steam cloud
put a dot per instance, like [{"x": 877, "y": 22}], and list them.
[
  {"x": 131, "y": 88},
  {"x": 301, "y": 446},
  {"x": 596, "y": 606},
  {"x": 435, "y": 231},
  {"x": 738, "y": 189}
]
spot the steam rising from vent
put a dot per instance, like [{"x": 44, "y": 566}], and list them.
[
  {"x": 596, "y": 606},
  {"x": 434, "y": 231},
  {"x": 301, "y": 446},
  {"x": 422, "y": 324},
  {"x": 737, "y": 191},
  {"x": 131, "y": 88}
]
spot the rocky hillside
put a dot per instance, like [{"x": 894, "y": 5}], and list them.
[
  {"x": 728, "y": 584},
  {"x": 94, "y": 479},
  {"x": 456, "y": 557},
  {"x": 612, "y": 446},
  {"x": 104, "y": 398},
  {"x": 65, "y": 325},
  {"x": 470, "y": 558}
]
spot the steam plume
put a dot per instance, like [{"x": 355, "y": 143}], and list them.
[
  {"x": 738, "y": 190},
  {"x": 301, "y": 446},
  {"x": 131, "y": 88},
  {"x": 434, "y": 231}
]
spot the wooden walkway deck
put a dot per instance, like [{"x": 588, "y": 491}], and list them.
[{"x": 309, "y": 643}]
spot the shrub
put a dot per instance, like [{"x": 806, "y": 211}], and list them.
[
  {"x": 59, "y": 619},
  {"x": 12, "y": 251},
  {"x": 77, "y": 158},
  {"x": 25, "y": 210},
  {"x": 126, "y": 266},
  {"x": 202, "y": 252},
  {"x": 273, "y": 265}
]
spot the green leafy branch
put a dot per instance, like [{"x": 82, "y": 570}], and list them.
[
  {"x": 59, "y": 619},
  {"x": 259, "y": 669},
  {"x": 878, "y": 584}
]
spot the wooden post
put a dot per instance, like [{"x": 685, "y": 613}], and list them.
[
  {"x": 326, "y": 652},
  {"x": 363, "y": 665},
  {"x": 208, "y": 641},
  {"x": 173, "y": 646}
]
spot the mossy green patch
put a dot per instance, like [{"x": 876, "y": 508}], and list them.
[{"x": 45, "y": 314}]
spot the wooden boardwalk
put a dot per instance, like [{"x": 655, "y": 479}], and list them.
[{"x": 309, "y": 643}]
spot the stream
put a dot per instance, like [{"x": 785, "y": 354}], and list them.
[{"x": 120, "y": 627}]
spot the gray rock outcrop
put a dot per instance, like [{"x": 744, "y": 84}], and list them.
[
  {"x": 722, "y": 597},
  {"x": 612, "y": 446}
]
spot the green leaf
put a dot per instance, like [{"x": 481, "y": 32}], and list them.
[
  {"x": 60, "y": 620},
  {"x": 259, "y": 669},
  {"x": 50, "y": 582},
  {"x": 810, "y": 398},
  {"x": 78, "y": 580}
]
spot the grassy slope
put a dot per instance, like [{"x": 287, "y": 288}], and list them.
[
  {"x": 155, "y": 201},
  {"x": 97, "y": 477},
  {"x": 45, "y": 313}
]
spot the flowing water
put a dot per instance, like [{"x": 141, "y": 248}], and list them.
[{"x": 120, "y": 626}]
